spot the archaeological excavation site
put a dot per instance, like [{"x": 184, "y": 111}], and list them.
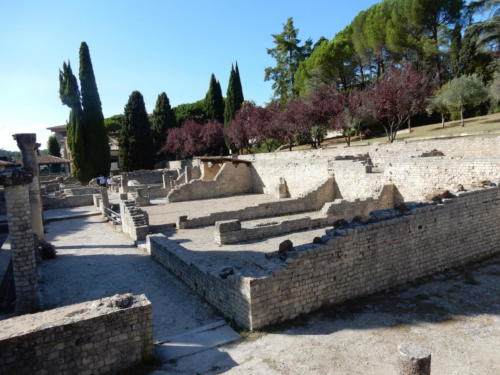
[{"x": 216, "y": 249}]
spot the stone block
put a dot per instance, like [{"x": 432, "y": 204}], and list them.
[{"x": 227, "y": 226}]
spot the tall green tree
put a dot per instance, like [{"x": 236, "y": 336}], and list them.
[
  {"x": 96, "y": 138},
  {"x": 163, "y": 119},
  {"x": 69, "y": 94},
  {"x": 53, "y": 146},
  {"x": 234, "y": 95},
  {"x": 288, "y": 53},
  {"x": 135, "y": 141},
  {"x": 214, "y": 102}
]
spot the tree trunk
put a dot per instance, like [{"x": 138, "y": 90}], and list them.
[
  {"x": 462, "y": 116},
  {"x": 442, "y": 119},
  {"x": 409, "y": 124}
]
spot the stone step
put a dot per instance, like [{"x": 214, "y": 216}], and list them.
[{"x": 195, "y": 341}]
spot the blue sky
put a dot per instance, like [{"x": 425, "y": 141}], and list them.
[{"x": 150, "y": 46}]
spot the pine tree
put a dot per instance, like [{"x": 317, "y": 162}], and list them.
[
  {"x": 163, "y": 120},
  {"x": 96, "y": 138},
  {"x": 288, "y": 53},
  {"x": 70, "y": 96},
  {"x": 136, "y": 142},
  {"x": 214, "y": 102},
  {"x": 53, "y": 146}
]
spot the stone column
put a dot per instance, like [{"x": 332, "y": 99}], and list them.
[
  {"x": 166, "y": 179},
  {"x": 187, "y": 174},
  {"x": 17, "y": 193},
  {"x": 414, "y": 360},
  {"x": 27, "y": 144},
  {"x": 124, "y": 183},
  {"x": 104, "y": 201}
]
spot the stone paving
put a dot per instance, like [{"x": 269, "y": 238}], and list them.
[
  {"x": 94, "y": 261},
  {"x": 167, "y": 213}
]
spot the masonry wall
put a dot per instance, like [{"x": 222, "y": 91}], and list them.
[
  {"x": 370, "y": 258},
  {"x": 311, "y": 201},
  {"x": 232, "y": 179},
  {"x": 304, "y": 169},
  {"x": 94, "y": 337},
  {"x": 69, "y": 201},
  {"x": 231, "y": 296}
]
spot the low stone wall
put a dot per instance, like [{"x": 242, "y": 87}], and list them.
[
  {"x": 81, "y": 191},
  {"x": 66, "y": 202},
  {"x": 356, "y": 260},
  {"x": 134, "y": 221},
  {"x": 230, "y": 180},
  {"x": 228, "y": 232},
  {"x": 98, "y": 337},
  {"x": 231, "y": 296},
  {"x": 146, "y": 176},
  {"x": 311, "y": 201},
  {"x": 365, "y": 259},
  {"x": 153, "y": 191}
]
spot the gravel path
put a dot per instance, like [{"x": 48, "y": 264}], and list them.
[{"x": 94, "y": 261}]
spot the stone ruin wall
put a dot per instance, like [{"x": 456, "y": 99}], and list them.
[
  {"x": 357, "y": 261},
  {"x": 96, "y": 337},
  {"x": 232, "y": 179},
  {"x": 377, "y": 256},
  {"x": 230, "y": 296},
  {"x": 304, "y": 170},
  {"x": 465, "y": 161}
]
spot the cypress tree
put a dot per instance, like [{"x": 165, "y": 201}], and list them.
[
  {"x": 53, "y": 146},
  {"x": 238, "y": 88},
  {"x": 214, "y": 102},
  {"x": 136, "y": 142},
  {"x": 70, "y": 96},
  {"x": 96, "y": 138},
  {"x": 234, "y": 95},
  {"x": 163, "y": 120}
]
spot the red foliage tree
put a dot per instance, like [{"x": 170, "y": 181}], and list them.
[
  {"x": 252, "y": 125},
  {"x": 212, "y": 136},
  {"x": 174, "y": 142},
  {"x": 397, "y": 95}
]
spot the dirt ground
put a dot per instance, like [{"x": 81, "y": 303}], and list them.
[{"x": 455, "y": 314}]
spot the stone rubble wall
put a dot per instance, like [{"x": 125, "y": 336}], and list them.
[
  {"x": 307, "y": 168},
  {"x": 134, "y": 221},
  {"x": 66, "y": 202},
  {"x": 81, "y": 191},
  {"x": 310, "y": 201},
  {"x": 331, "y": 211},
  {"x": 96, "y": 337},
  {"x": 231, "y": 296},
  {"x": 232, "y": 179},
  {"x": 366, "y": 259}
]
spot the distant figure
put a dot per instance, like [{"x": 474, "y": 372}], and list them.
[
  {"x": 110, "y": 183},
  {"x": 101, "y": 180}
]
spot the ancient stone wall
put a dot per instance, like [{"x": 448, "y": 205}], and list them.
[
  {"x": 366, "y": 259},
  {"x": 97, "y": 337},
  {"x": 232, "y": 179},
  {"x": 81, "y": 191},
  {"x": 305, "y": 169},
  {"x": 66, "y": 202},
  {"x": 310, "y": 201},
  {"x": 134, "y": 221},
  {"x": 231, "y": 296}
]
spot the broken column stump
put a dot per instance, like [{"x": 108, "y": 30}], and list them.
[
  {"x": 413, "y": 360},
  {"x": 17, "y": 200},
  {"x": 27, "y": 144}
]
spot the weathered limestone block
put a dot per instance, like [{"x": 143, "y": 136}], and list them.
[
  {"x": 227, "y": 226},
  {"x": 414, "y": 360},
  {"x": 283, "y": 189}
]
